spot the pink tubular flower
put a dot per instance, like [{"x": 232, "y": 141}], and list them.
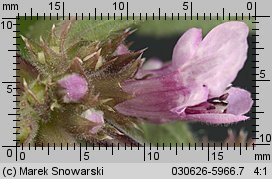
[
  {"x": 193, "y": 86},
  {"x": 96, "y": 117},
  {"x": 75, "y": 87}
]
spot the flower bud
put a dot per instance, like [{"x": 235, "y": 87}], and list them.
[
  {"x": 75, "y": 87},
  {"x": 96, "y": 117},
  {"x": 121, "y": 50}
]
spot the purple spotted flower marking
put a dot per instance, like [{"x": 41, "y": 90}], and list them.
[{"x": 194, "y": 86}]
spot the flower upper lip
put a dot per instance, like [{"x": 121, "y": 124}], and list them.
[{"x": 201, "y": 70}]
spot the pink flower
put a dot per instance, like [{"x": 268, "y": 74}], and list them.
[
  {"x": 193, "y": 86},
  {"x": 96, "y": 117},
  {"x": 75, "y": 87}
]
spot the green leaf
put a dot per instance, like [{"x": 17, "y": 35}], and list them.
[
  {"x": 96, "y": 30},
  {"x": 174, "y": 132}
]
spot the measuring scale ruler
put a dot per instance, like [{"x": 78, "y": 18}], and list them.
[{"x": 144, "y": 159}]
